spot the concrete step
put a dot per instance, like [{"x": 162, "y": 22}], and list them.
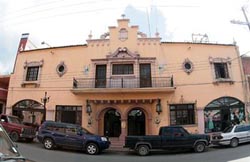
[{"x": 116, "y": 143}]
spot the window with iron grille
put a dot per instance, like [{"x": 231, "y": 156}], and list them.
[
  {"x": 182, "y": 114},
  {"x": 122, "y": 69},
  {"x": 32, "y": 73},
  {"x": 221, "y": 70}
]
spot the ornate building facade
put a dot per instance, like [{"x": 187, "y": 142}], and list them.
[{"x": 126, "y": 83}]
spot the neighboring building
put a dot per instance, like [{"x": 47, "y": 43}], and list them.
[
  {"x": 246, "y": 69},
  {"x": 128, "y": 84},
  {"x": 4, "y": 84}
]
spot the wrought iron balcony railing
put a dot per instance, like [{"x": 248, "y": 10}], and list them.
[{"x": 154, "y": 82}]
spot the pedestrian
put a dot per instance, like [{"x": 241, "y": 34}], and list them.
[{"x": 236, "y": 119}]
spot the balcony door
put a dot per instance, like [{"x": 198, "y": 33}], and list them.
[
  {"x": 100, "y": 76},
  {"x": 145, "y": 75}
]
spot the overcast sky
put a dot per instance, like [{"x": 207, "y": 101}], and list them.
[{"x": 69, "y": 22}]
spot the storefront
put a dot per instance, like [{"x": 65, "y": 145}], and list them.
[
  {"x": 223, "y": 112},
  {"x": 29, "y": 111}
]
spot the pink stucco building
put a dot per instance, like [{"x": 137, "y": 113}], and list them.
[{"x": 125, "y": 83}]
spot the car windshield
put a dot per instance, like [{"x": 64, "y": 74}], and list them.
[
  {"x": 85, "y": 131},
  {"x": 7, "y": 148},
  {"x": 227, "y": 130},
  {"x": 14, "y": 120}
]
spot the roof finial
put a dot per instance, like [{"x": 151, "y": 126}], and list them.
[{"x": 123, "y": 16}]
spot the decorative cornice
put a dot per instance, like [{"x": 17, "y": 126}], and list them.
[{"x": 123, "y": 53}]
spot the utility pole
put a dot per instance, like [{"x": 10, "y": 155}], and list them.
[{"x": 241, "y": 22}]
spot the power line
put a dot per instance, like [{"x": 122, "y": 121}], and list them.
[{"x": 11, "y": 89}]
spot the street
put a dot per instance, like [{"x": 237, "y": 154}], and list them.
[{"x": 35, "y": 151}]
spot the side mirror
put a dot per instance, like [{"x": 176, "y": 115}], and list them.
[{"x": 79, "y": 133}]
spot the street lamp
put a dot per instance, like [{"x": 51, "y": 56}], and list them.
[{"x": 44, "y": 100}]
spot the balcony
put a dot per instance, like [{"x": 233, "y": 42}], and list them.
[{"x": 118, "y": 85}]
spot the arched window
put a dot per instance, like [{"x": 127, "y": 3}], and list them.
[
  {"x": 29, "y": 111},
  {"x": 223, "y": 112}
]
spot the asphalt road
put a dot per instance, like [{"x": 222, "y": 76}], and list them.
[{"x": 35, "y": 151}]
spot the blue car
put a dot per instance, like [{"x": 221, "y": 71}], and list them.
[{"x": 56, "y": 134}]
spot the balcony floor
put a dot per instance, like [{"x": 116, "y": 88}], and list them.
[{"x": 123, "y": 90}]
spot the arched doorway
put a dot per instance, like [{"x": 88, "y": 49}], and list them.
[
  {"x": 112, "y": 123},
  {"x": 136, "y": 122},
  {"x": 29, "y": 111},
  {"x": 223, "y": 112}
]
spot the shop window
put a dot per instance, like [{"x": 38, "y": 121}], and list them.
[
  {"x": 182, "y": 114},
  {"x": 222, "y": 113},
  {"x": 122, "y": 69},
  {"x": 69, "y": 114}
]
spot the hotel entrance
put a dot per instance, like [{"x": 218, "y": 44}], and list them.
[
  {"x": 136, "y": 122},
  {"x": 112, "y": 123}
]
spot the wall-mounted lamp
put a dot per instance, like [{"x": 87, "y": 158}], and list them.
[
  {"x": 158, "y": 106},
  {"x": 88, "y": 108}
]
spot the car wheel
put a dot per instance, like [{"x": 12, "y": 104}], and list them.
[
  {"x": 143, "y": 150},
  {"x": 200, "y": 147},
  {"x": 92, "y": 149},
  {"x": 234, "y": 142},
  {"x": 48, "y": 143},
  {"x": 14, "y": 136}
]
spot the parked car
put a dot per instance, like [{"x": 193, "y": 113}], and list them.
[
  {"x": 56, "y": 134},
  {"x": 8, "y": 150},
  {"x": 16, "y": 129},
  {"x": 169, "y": 137},
  {"x": 233, "y": 136}
]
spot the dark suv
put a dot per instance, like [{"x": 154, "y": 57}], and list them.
[{"x": 56, "y": 134}]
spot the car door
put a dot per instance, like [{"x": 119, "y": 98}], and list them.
[
  {"x": 241, "y": 133},
  {"x": 248, "y": 132},
  {"x": 59, "y": 135},
  {"x": 180, "y": 138},
  {"x": 73, "y": 137},
  {"x": 166, "y": 137}
]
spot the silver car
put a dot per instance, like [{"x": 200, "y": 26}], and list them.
[
  {"x": 232, "y": 136},
  {"x": 8, "y": 150}
]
